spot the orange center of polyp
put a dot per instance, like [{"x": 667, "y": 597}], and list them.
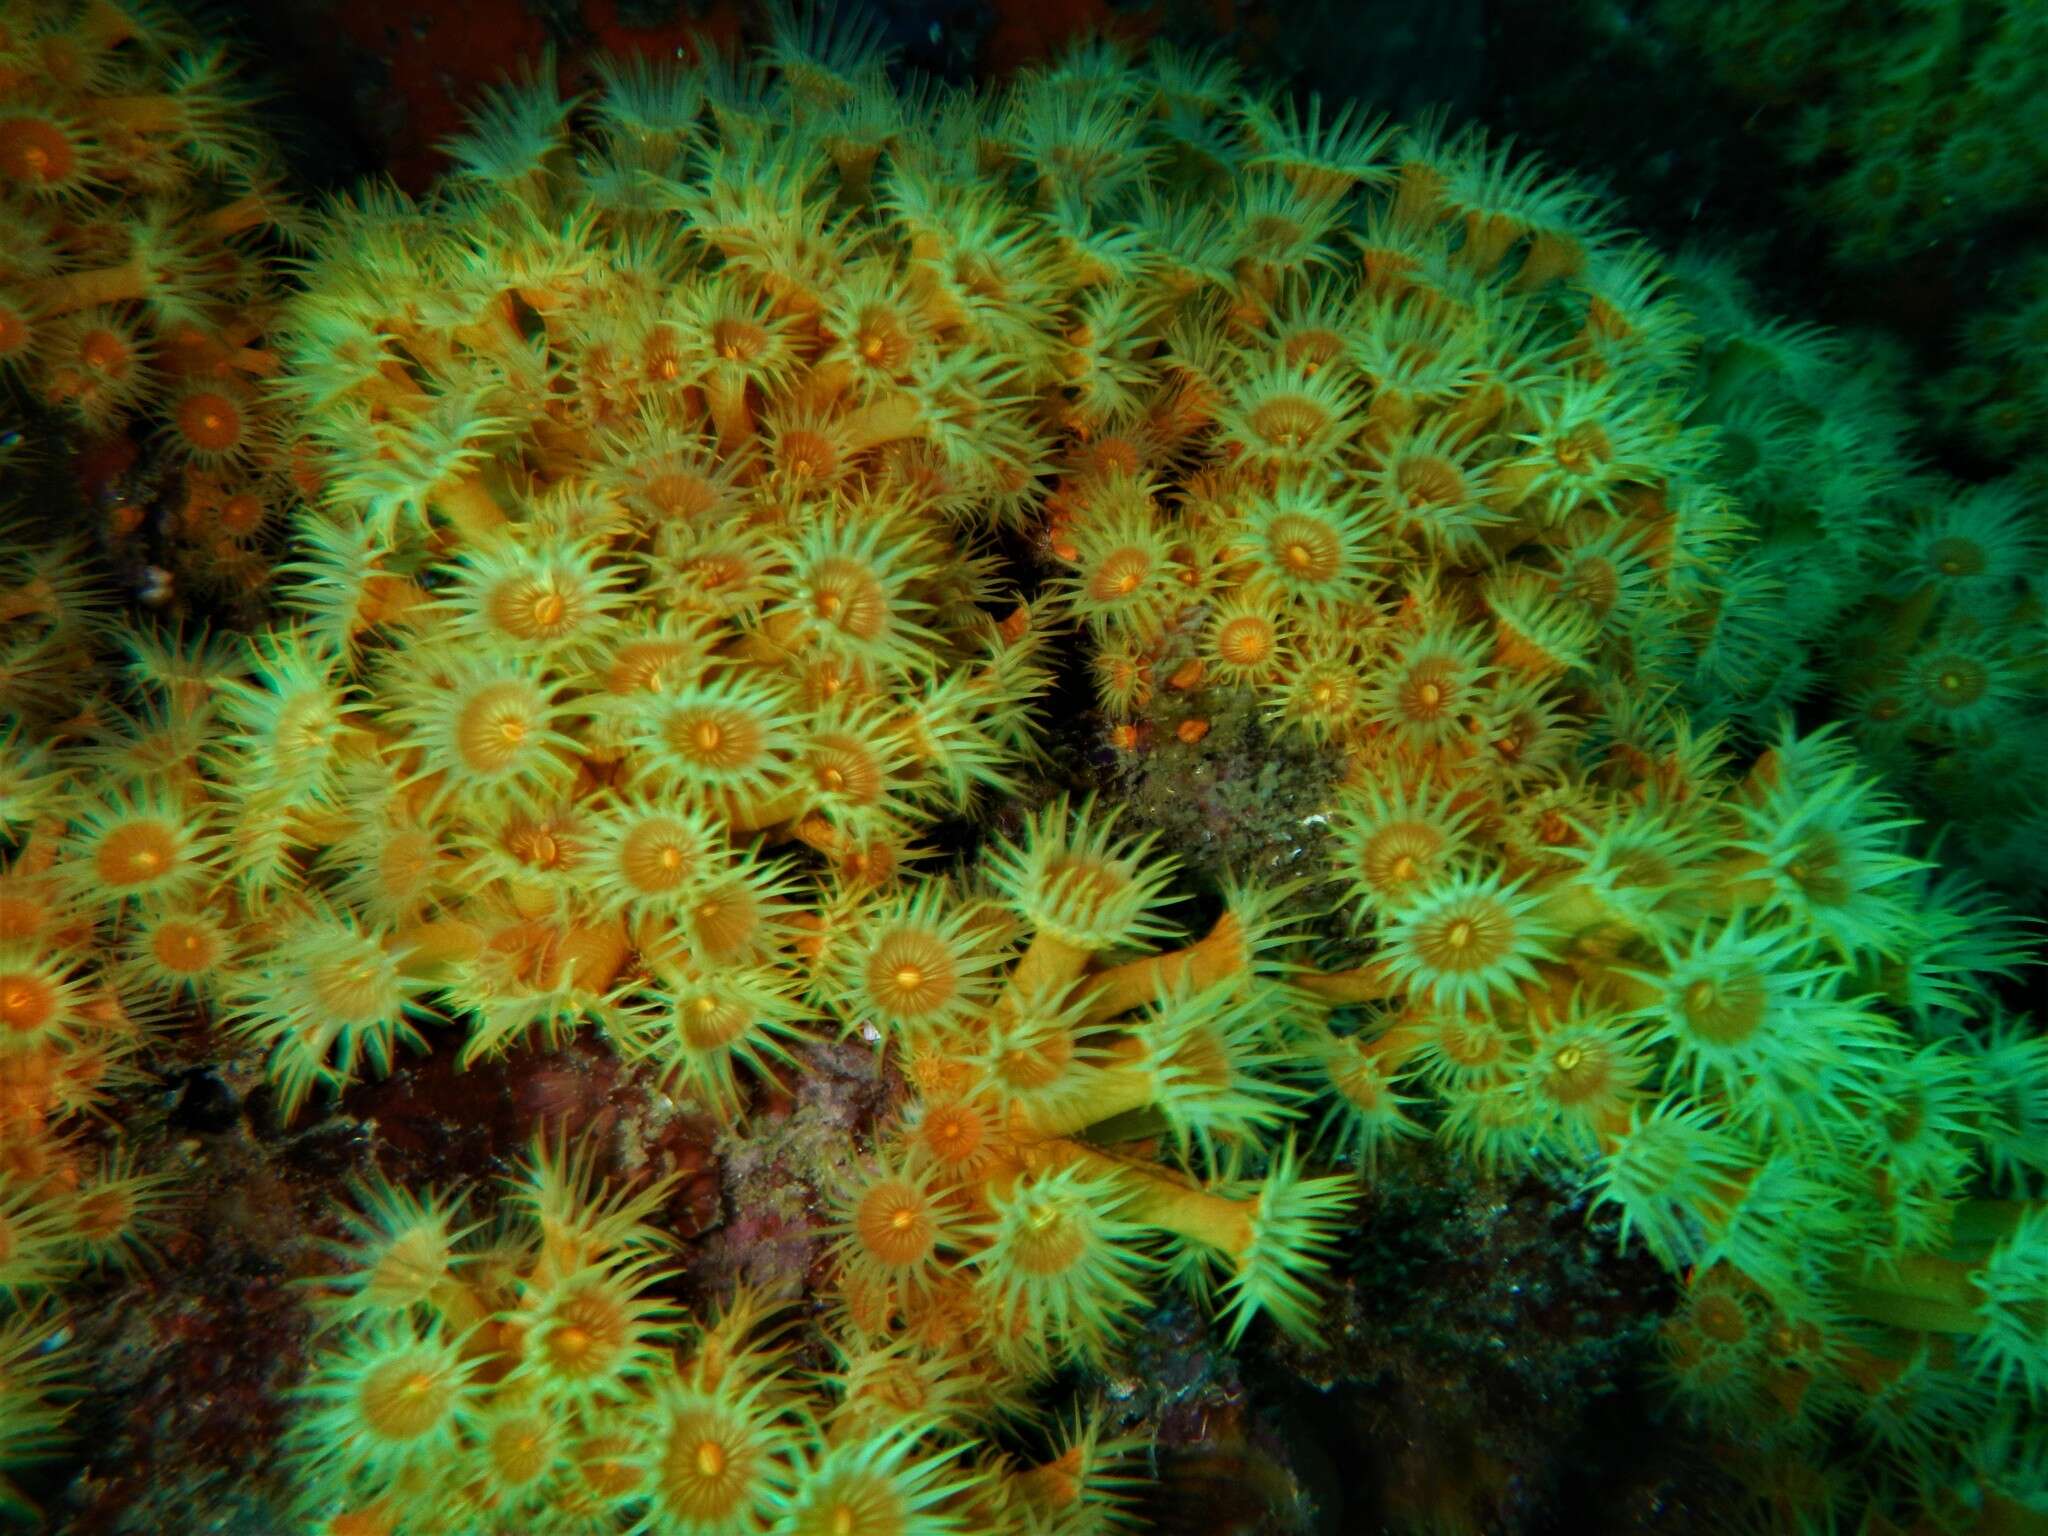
[
  {"x": 102, "y": 351},
  {"x": 23, "y": 1005},
  {"x": 33, "y": 151},
  {"x": 134, "y": 854}
]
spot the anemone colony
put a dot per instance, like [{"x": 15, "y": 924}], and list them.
[
  {"x": 1896, "y": 137},
  {"x": 699, "y": 495},
  {"x": 134, "y": 290},
  {"x": 1911, "y": 151}
]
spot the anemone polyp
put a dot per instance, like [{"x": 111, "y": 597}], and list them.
[
  {"x": 708, "y": 1021},
  {"x": 738, "y": 341},
  {"x": 714, "y": 740},
  {"x": 727, "y": 920},
  {"x": 1246, "y": 640},
  {"x": 895, "y": 1224},
  {"x": 1394, "y": 858},
  {"x": 882, "y": 339},
  {"x": 137, "y": 854},
  {"x": 1289, "y": 423},
  {"x": 652, "y": 855},
  {"x": 1467, "y": 939},
  {"x": 395, "y": 1397},
  {"x": 703, "y": 1475},
  {"x": 1119, "y": 574},
  {"x": 846, "y": 595},
  {"x": 1725, "y": 1010},
  {"x": 138, "y": 843},
  {"x": 954, "y": 1135},
  {"x": 18, "y": 332},
  {"x": 31, "y": 1002},
  {"x": 404, "y": 1400},
  {"x": 592, "y": 1334},
  {"x": 532, "y": 608},
  {"x": 212, "y": 425},
  {"x": 911, "y": 973},
  {"x": 184, "y": 948},
  {"x": 712, "y": 1453},
  {"x": 1304, "y": 550},
  {"x": 41, "y": 153}
]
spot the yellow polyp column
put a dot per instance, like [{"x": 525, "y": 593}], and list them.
[
  {"x": 771, "y": 640},
  {"x": 1364, "y": 984},
  {"x": 1512, "y": 483},
  {"x": 258, "y": 362},
  {"x": 1552, "y": 256},
  {"x": 562, "y": 447},
  {"x": 1418, "y": 195},
  {"x": 825, "y": 384},
  {"x": 1117, "y": 1088},
  {"x": 1049, "y": 966},
  {"x": 1210, "y": 959},
  {"x": 321, "y": 828},
  {"x": 106, "y": 25},
  {"x": 1623, "y": 989},
  {"x": 1477, "y": 410},
  {"x": 245, "y": 212},
  {"x": 772, "y": 812},
  {"x": 52, "y": 296},
  {"x": 1488, "y": 237},
  {"x": 463, "y": 1310},
  {"x": 940, "y": 311},
  {"x": 2003, "y": 1517},
  {"x": 1981, "y": 1223},
  {"x": 1737, "y": 880},
  {"x": 531, "y": 898},
  {"x": 1920, "y": 1293},
  {"x": 884, "y": 421},
  {"x": 856, "y": 166},
  {"x": 595, "y": 953},
  {"x": 1906, "y": 626},
  {"x": 423, "y": 947},
  {"x": 818, "y": 833},
  {"x": 1572, "y": 908},
  {"x": 1189, "y": 1211},
  {"x": 468, "y": 503},
  {"x": 142, "y": 114},
  {"x": 730, "y": 414},
  {"x": 387, "y": 599}
]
